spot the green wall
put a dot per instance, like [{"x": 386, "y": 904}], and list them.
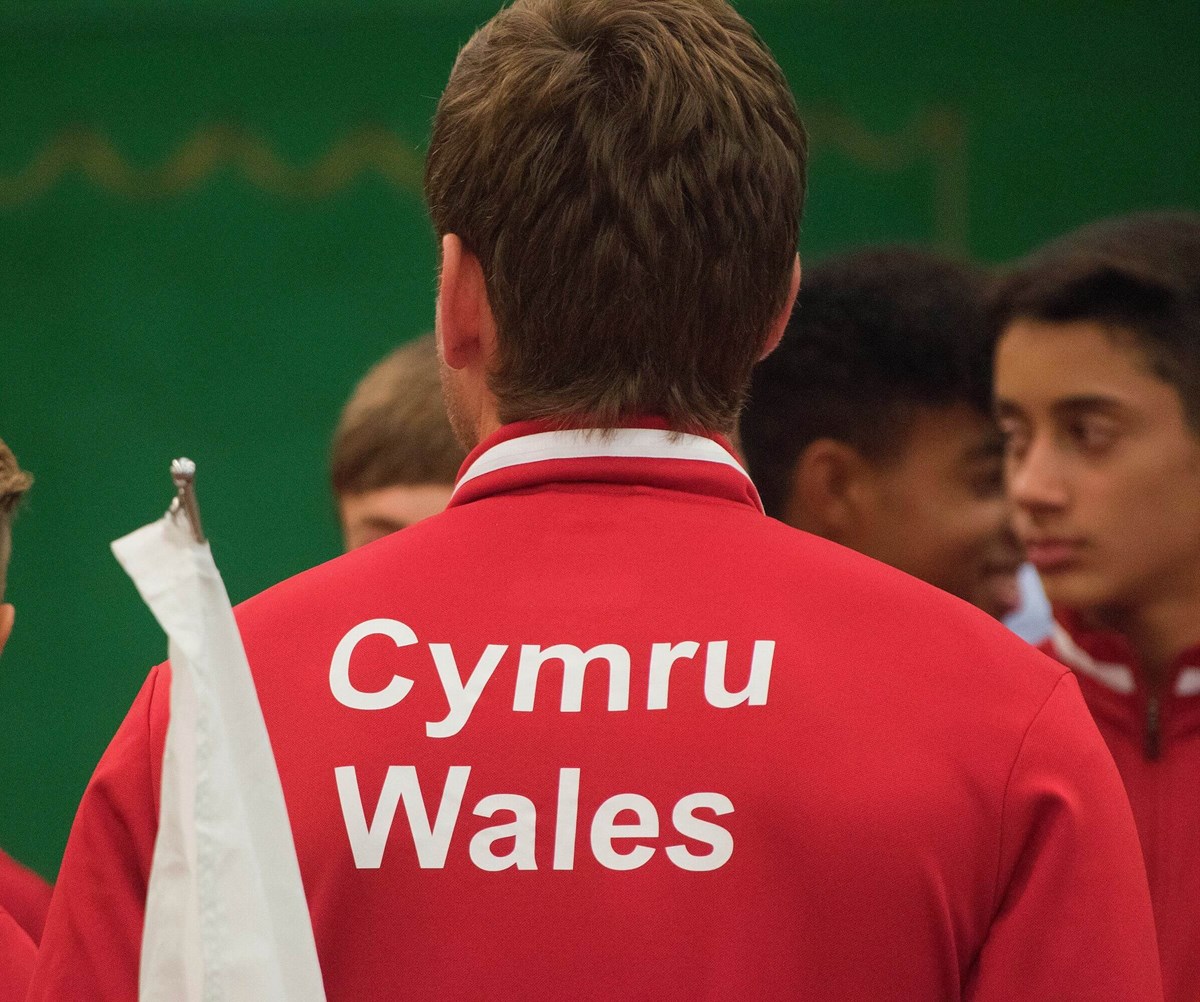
[{"x": 211, "y": 226}]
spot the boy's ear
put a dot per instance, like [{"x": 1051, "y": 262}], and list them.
[{"x": 829, "y": 490}]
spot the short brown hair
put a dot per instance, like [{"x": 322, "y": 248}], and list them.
[
  {"x": 630, "y": 175},
  {"x": 394, "y": 430},
  {"x": 1138, "y": 274}
]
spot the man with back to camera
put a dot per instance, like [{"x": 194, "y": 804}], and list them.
[
  {"x": 1098, "y": 392},
  {"x": 872, "y": 423},
  {"x": 395, "y": 456},
  {"x": 24, "y": 896},
  {"x": 601, "y": 729}
]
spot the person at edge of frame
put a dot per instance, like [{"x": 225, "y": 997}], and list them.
[{"x": 24, "y": 896}]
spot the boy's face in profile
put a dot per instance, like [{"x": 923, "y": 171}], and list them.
[
  {"x": 1102, "y": 466},
  {"x": 938, "y": 511},
  {"x": 372, "y": 515}
]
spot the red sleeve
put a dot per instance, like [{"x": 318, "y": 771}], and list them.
[
  {"x": 24, "y": 895},
  {"x": 1073, "y": 917},
  {"x": 17, "y": 954},
  {"x": 92, "y": 941}
]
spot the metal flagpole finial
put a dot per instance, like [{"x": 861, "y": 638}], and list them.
[{"x": 183, "y": 473}]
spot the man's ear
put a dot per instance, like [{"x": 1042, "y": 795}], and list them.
[
  {"x": 829, "y": 490},
  {"x": 7, "y": 615},
  {"x": 779, "y": 324},
  {"x": 466, "y": 327}
]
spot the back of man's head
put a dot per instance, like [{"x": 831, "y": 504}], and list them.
[
  {"x": 395, "y": 457},
  {"x": 1138, "y": 274},
  {"x": 630, "y": 176},
  {"x": 875, "y": 335}
]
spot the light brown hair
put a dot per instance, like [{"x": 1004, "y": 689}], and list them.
[
  {"x": 14, "y": 482},
  {"x": 393, "y": 430},
  {"x": 630, "y": 175}
]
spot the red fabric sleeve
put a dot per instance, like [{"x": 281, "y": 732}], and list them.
[
  {"x": 92, "y": 941},
  {"x": 1073, "y": 915},
  {"x": 17, "y": 954},
  {"x": 24, "y": 895}
]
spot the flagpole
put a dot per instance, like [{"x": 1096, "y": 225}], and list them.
[{"x": 226, "y": 915}]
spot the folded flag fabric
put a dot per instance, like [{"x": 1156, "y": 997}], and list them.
[{"x": 226, "y": 916}]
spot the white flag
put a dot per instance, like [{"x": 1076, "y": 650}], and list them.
[{"x": 226, "y": 917}]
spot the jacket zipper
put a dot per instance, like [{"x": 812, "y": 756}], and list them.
[{"x": 1153, "y": 727}]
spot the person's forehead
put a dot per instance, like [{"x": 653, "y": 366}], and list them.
[
  {"x": 1062, "y": 372},
  {"x": 1072, "y": 358},
  {"x": 401, "y": 503}
]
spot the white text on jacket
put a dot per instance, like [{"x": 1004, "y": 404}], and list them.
[
  {"x": 461, "y": 696},
  {"x": 432, "y": 840}
]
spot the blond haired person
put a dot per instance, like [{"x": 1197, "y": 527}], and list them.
[{"x": 395, "y": 456}]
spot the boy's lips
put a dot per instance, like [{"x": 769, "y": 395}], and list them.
[{"x": 1051, "y": 554}]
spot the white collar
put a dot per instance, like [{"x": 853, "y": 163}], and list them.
[
  {"x": 1187, "y": 683},
  {"x": 599, "y": 443},
  {"x": 1117, "y": 677}
]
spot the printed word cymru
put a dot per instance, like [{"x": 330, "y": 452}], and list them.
[
  {"x": 530, "y": 661},
  {"x": 615, "y": 844}
]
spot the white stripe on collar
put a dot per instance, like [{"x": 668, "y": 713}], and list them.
[
  {"x": 592, "y": 443},
  {"x": 1115, "y": 676},
  {"x": 1188, "y": 682}
]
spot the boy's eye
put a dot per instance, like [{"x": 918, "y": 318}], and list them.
[
  {"x": 988, "y": 480},
  {"x": 1092, "y": 434}
]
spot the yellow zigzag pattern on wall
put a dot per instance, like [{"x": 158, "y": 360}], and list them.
[
  {"x": 209, "y": 150},
  {"x": 936, "y": 136}
]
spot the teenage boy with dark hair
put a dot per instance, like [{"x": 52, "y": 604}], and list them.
[
  {"x": 872, "y": 423},
  {"x": 395, "y": 456},
  {"x": 649, "y": 743},
  {"x": 1098, "y": 392}
]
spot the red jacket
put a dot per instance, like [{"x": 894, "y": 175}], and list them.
[
  {"x": 1156, "y": 745},
  {"x": 24, "y": 895},
  {"x": 17, "y": 954},
  {"x": 602, "y": 730}
]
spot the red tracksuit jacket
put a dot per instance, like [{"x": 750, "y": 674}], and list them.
[
  {"x": 24, "y": 895},
  {"x": 602, "y": 730},
  {"x": 17, "y": 953},
  {"x": 1156, "y": 745},
  {"x": 24, "y": 898}
]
